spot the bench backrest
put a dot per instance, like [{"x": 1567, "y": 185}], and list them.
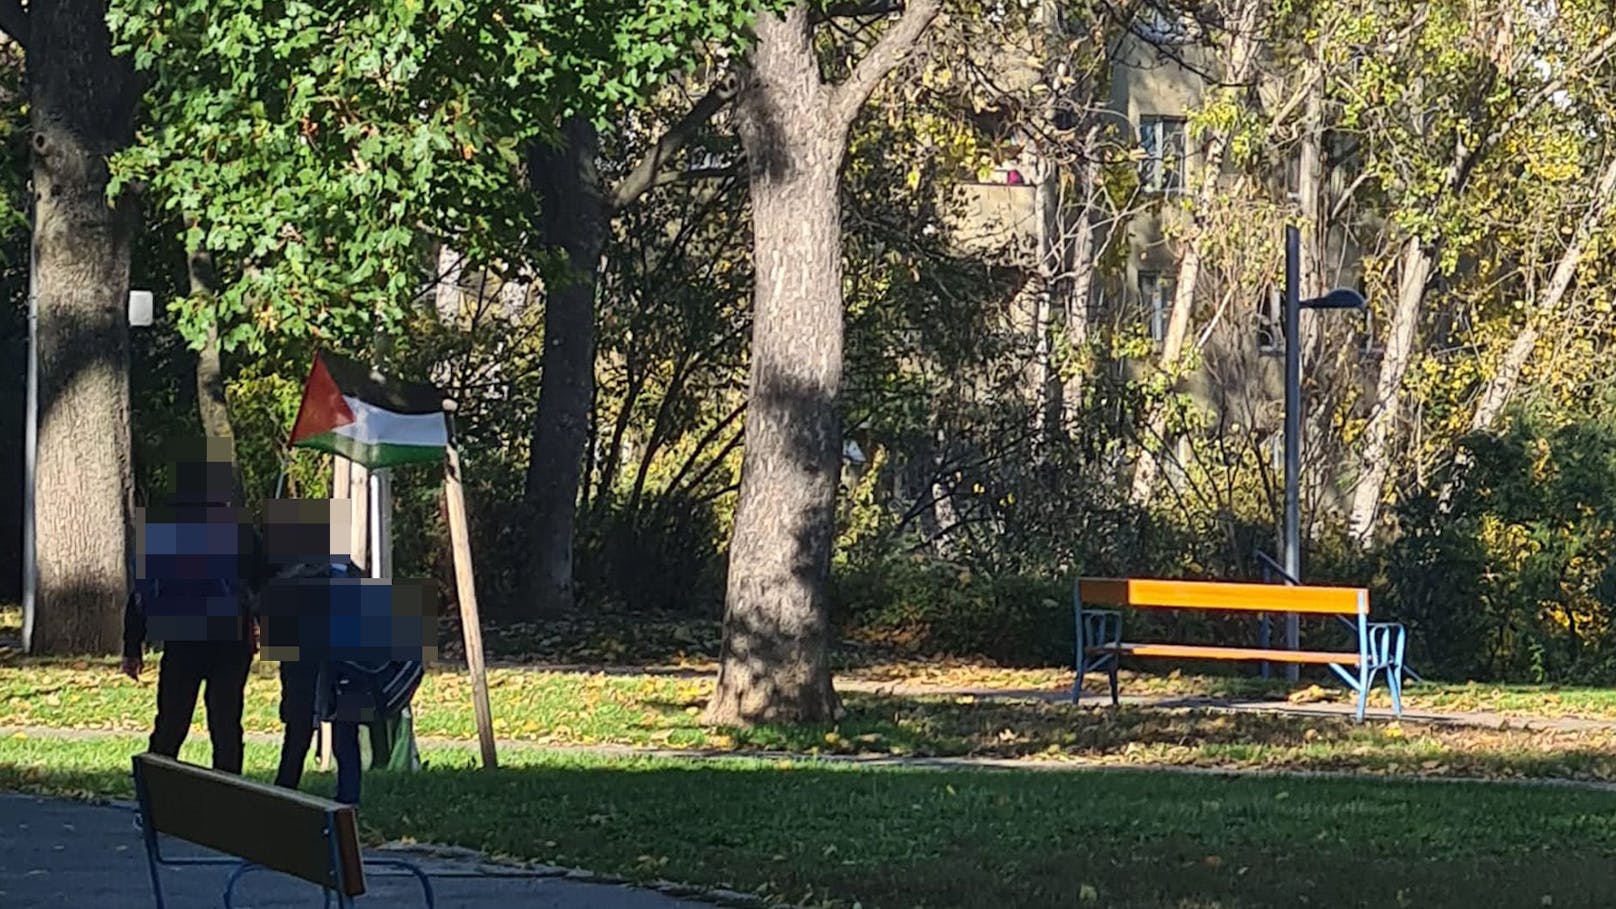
[
  {"x": 1160, "y": 594},
  {"x": 267, "y": 825}
]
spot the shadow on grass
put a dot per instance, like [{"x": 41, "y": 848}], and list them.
[
  {"x": 900, "y": 838},
  {"x": 900, "y": 726}
]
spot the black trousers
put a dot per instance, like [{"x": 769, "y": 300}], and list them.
[
  {"x": 186, "y": 667},
  {"x": 298, "y": 681}
]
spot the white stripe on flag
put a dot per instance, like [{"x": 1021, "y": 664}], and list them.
[{"x": 374, "y": 425}]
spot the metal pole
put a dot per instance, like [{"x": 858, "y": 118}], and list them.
[
  {"x": 30, "y": 445},
  {"x": 1293, "y": 429}
]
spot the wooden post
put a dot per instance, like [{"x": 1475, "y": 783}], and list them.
[{"x": 466, "y": 590}]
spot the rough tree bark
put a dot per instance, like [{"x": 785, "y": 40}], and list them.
[
  {"x": 1242, "y": 52},
  {"x": 82, "y": 102},
  {"x": 794, "y": 129},
  {"x": 572, "y": 217}
]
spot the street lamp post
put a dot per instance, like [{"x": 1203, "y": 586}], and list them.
[
  {"x": 30, "y": 437},
  {"x": 1340, "y": 298}
]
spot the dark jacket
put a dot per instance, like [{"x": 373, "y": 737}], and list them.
[{"x": 244, "y": 587}]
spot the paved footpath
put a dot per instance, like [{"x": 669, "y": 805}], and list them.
[{"x": 60, "y": 854}]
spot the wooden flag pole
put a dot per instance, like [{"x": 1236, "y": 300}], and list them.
[{"x": 466, "y": 589}]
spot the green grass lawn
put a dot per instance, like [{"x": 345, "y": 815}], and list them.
[
  {"x": 836, "y": 835},
  {"x": 558, "y": 708}
]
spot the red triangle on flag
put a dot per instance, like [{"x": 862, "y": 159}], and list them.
[{"x": 322, "y": 409}]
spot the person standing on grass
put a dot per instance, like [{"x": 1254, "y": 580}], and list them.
[
  {"x": 331, "y": 672},
  {"x": 196, "y": 572}
]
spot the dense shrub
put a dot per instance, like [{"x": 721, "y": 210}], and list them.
[{"x": 1514, "y": 575}]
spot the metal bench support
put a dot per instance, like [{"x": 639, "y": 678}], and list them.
[
  {"x": 343, "y": 901},
  {"x": 1381, "y": 648},
  {"x": 155, "y": 858},
  {"x": 1097, "y": 628}
]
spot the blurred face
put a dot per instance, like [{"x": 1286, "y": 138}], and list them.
[
  {"x": 204, "y": 471},
  {"x": 307, "y": 530}
]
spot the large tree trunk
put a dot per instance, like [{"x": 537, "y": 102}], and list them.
[
  {"x": 82, "y": 101},
  {"x": 775, "y": 656},
  {"x": 775, "y": 663},
  {"x": 572, "y": 218},
  {"x": 1155, "y": 438},
  {"x": 1385, "y": 408}
]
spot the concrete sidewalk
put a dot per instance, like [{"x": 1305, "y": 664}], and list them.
[{"x": 56, "y": 853}]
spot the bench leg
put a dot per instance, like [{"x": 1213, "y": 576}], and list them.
[
  {"x": 151, "y": 863},
  {"x": 412, "y": 868},
  {"x": 1395, "y": 683},
  {"x": 1366, "y": 681},
  {"x": 1112, "y": 676},
  {"x": 235, "y": 878}
]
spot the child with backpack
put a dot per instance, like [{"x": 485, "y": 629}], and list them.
[{"x": 325, "y": 677}]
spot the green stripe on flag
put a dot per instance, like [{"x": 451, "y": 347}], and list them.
[{"x": 373, "y": 455}]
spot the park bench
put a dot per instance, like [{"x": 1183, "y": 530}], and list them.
[
  {"x": 1380, "y": 645},
  {"x": 263, "y": 826}
]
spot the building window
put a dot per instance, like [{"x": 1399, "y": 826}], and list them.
[
  {"x": 1156, "y": 298},
  {"x": 1271, "y": 323},
  {"x": 1162, "y": 139}
]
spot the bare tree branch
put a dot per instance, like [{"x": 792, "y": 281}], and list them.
[
  {"x": 646, "y": 173},
  {"x": 889, "y": 51},
  {"x": 14, "y": 22}
]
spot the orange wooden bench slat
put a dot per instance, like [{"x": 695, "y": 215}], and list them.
[
  {"x": 1162, "y": 594},
  {"x": 1199, "y": 652}
]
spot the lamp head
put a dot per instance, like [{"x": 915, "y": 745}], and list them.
[{"x": 1340, "y": 298}]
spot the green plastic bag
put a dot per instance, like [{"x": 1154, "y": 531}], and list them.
[{"x": 392, "y": 743}]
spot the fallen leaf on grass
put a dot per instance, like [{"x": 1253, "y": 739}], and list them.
[{"x": 1312, "y": 694}]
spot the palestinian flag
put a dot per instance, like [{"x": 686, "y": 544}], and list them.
[{"x": 375, "y": 422}]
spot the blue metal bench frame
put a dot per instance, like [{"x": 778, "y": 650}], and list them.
[
  {"x": 338, "y": 888},
  {"x": 1381, "y": 648}
]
